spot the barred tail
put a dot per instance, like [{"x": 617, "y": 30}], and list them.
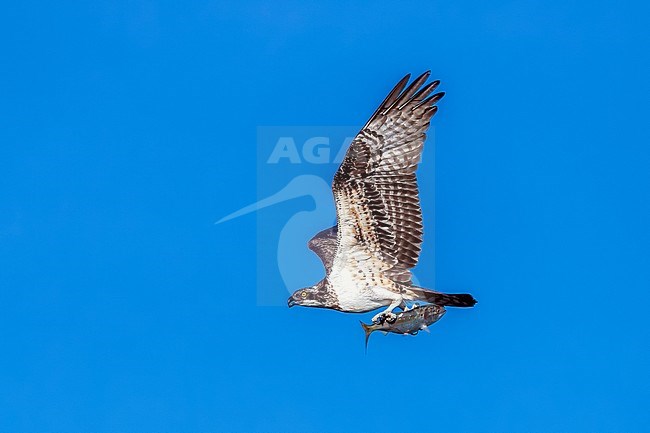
[{"x": 446, "y": 299}]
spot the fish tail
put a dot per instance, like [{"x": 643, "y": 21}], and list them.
[
  {"x": 367, "y": 330},
  {"x": 446, "y": 299}
]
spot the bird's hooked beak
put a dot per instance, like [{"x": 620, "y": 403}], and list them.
[{"x": 291, "y": 302}]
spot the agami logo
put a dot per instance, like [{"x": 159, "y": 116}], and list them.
[
  {"x": 295, "y": 167},
  {"x": 315, "y": 150}
]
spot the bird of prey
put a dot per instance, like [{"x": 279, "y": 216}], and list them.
[{"x": 377, "y": 240}]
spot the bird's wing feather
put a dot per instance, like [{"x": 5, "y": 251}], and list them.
[
  {"x": 375, "y": 188},
  {"x": 324, "y": 245}
]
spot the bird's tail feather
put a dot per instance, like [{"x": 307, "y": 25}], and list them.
[{"x": 446, "y": 299}]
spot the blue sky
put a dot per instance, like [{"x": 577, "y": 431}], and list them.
[{"x": 128, "y": 128}]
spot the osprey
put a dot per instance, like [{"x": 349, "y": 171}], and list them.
[{"x": 377, "y": 240}]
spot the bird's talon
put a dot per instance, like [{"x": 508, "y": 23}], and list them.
[
  {"x": 390, "y": 317},
  {"x": 384, "y": 317}
]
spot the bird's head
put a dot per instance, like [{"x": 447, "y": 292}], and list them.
[{"x": 315, "y": 296}]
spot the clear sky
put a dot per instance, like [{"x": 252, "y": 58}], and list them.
[{"x": 128, "y": 128}]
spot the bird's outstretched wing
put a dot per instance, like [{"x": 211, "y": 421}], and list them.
[
  {"x": 324, "y": 245},
  {"x": 375, "y": 188}
]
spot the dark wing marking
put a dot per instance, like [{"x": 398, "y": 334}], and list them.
[
  {"x": 324, "y": 245},
  {"x": 375, "y": 187}
]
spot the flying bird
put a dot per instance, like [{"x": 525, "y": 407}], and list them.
[{"x": 368, "y": 255}]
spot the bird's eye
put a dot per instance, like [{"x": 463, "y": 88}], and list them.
[{"x": 303, "y": 295}]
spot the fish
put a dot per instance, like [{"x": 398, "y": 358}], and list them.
[{"x": 407, "y": 322}]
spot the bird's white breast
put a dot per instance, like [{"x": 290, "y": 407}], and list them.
[{"x": 359, "y": 285}]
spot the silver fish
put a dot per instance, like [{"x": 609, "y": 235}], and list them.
[{"x": 407, "y": 322}]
